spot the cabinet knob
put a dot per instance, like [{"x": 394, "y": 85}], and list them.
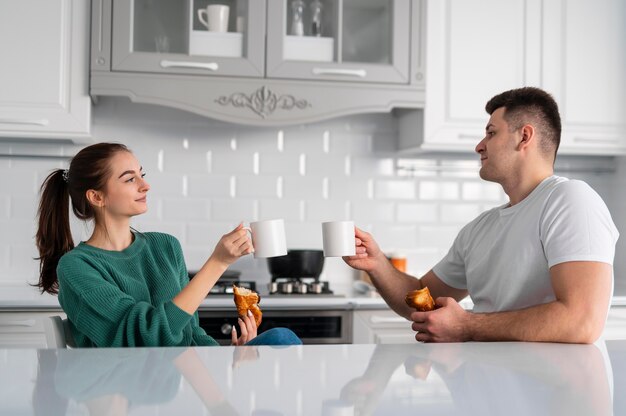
[{"x": 226, "y": 329}]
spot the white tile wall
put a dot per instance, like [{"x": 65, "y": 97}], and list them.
[{"x": 207, "y": 176}]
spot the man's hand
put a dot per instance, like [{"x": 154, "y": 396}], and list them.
[
  {"x": 368, "y": 255},
  {"x": 448, "y": 323}
]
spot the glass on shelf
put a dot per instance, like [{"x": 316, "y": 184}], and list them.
[
  {"x": 367, "y": 31},
  {"x": 158, "y": 26},
  {"x": 307, "y": 38}
]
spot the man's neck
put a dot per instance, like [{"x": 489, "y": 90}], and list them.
[{"x": 519, "y": 188}]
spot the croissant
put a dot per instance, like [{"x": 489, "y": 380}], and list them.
[
  {"x": 420, "y": 300},
  {"x": 247, "y": 300}
]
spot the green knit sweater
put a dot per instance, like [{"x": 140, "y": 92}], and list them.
[{"x": 124, "y": 298}]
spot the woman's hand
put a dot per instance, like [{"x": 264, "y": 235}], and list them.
[
  {"x": 233, "y": 245},
  {"x": 248, "y": 328}
]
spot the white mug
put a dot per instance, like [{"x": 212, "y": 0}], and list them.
[
  {"x": 217, "y": 17},
  {"x": 338, "y": 238},
  {"x": 268, "y": 238},
  {"x": 337, "y": 407}
]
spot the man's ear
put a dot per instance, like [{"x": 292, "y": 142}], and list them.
[
  {"x": 95, "y": 198},
  {"x": 527, "y": 136}
]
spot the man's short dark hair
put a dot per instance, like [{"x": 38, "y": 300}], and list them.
[{"x": 530, "y": 105}]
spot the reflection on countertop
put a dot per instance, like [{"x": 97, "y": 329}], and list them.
[{"x": 469, "y": 378}]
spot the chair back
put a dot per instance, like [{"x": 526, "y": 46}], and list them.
[{"x": 58, "y": 332}]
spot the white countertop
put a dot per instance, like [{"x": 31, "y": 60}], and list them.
[
  {"x": 442, "y": 379},
  {"x": 27, "y": 298}
]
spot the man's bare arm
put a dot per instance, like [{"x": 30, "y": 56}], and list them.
[{"x": 577, "y": 315}]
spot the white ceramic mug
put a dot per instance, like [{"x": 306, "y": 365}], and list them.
[
  {"x": 337, "y": 407},
  {"x": 268, "y": 238},
  {"x": 338, "y": 238},
  {"x": 216, "y": 17}
]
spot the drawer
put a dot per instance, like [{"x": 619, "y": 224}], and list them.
[
  {"x": 21, "y": 322},
  {"x": 383, "y": 319}
]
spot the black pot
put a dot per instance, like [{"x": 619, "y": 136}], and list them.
[{"x": 297, "y": 264}]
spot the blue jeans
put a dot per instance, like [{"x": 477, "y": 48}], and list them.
[{"x": 276, "y": 336}]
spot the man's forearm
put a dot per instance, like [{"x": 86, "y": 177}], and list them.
[
  {"x": 550, "y": 322},
  {"x": 393, "y": 285}
]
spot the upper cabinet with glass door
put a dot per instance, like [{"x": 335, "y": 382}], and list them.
[
  {"x": 339, "y": 40},
  {"x": 223, "y": 37}
]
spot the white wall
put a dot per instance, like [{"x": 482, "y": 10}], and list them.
[{"x": 206, "y": 176}]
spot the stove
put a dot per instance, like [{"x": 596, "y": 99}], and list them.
[{"x": 278, "y": 287}]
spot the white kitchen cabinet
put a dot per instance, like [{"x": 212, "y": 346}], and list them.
[
  {"x": 573, "y": 49},
  {"x": 24, "y": 329},
  {"x": 144, "y": 49},
  {"x": 615, "y": 327},
  {"x": 44, "y": 92},
  {"x": 584, "y": 62},
  {"x": 382, "y": 326}
]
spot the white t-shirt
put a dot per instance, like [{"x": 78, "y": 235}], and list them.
[{"x": 503, "y": 257}]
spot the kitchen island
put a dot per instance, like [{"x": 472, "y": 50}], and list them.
[{"x": 430, "y": 379}]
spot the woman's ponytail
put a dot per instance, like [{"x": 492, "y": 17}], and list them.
[{"x": 54, "y": 236}]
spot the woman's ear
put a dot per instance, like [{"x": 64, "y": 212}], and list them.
[{"x": 95, "y": 198}]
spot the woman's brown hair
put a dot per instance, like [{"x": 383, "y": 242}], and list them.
[{"x": 89, "y": 169}]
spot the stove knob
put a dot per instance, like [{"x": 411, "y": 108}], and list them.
[
  {"x": 285, "y": 287},
  {"x": 226, "y": 329}
]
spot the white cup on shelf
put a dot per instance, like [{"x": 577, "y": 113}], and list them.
[{"x": 214, "y": 17}]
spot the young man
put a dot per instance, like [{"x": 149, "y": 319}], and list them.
[{"x": 539, "y": 268}]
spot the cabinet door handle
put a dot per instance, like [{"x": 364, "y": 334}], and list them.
[
  {"x": 24, "y": 322},
  {"x": 211, "y": 66},
  {"x": 40, "y": 122},
  {"x": 596, "y": 140},
  {"x": 340, "y": 71},
  {"x": 386, "y": 320}
]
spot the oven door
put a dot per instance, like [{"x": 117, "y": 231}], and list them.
[{"x": 312, "y": 326}]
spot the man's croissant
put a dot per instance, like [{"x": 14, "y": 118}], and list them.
[
  {"x": 420, "y": 300},
  {"x": 247, "y": 300}
]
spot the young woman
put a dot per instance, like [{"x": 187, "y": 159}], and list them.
[{"x": 122, "y": 287}]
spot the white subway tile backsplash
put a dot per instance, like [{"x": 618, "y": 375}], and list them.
[
  {"x": 188, "y": 161},
  {"x": 202, "y": 186},
  {"x": 304, "y": 235},
  {"x": 24, "y": 207},
  {"x": 437, "y": 236},
  {"x": 349, "y": 188},
  {"x": 186, "y": 209},
  {"x": 394, "y": 189},
  {"x": 482, "y": 191},
  {"x": 373, "y": 211},
  {"x": 321, "y": 211},
  {"x": 302, "y": 187},
  {"x": 391, "y": 237},
  {"x": 459, "y": 212},
  {"x": 165, "y": 184},
  {"x": 442, "y": 190},
  {"x": 232, "y": 162},
  {"x": 233, "y": 211},
  {"x": 372, "y": 167},
  {"x": 5, "y": 202},
  {"x": 419, "y": 213},
  {"x": 206, "y": 176},
  {"x": 281, "y": 163},
  {"x": 19, "y": 182},
  {"x": 288, "y": 209},
  {"x": 257, "y": 186},
  {"x": 350, "y": 143},
  {"x": 327, "y": 165}
]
